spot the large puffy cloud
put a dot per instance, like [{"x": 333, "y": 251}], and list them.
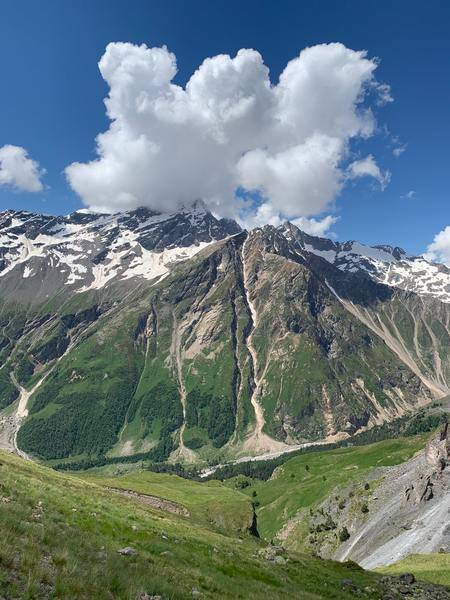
[
  {"x": 299, "y": 180},
  {"x": 18, "y": 170},
  {"x": 229, "y": 129},
  {"x": 439, "y": 249}
]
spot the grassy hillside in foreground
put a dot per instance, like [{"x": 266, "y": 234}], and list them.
[
  {"x": 211, "y": 504},
  {"x": 434, "y": 568},
  {"x": 307, "y": 479},
  {"x": 61, "y": 535}
]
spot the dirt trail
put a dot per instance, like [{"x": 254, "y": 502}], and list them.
[
  {"x": 153, "y": 501},
  {"x": 258, "y": 441},
  {"x": 182, "y": 452}
]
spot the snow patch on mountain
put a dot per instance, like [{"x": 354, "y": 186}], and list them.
[
  {"x": 384, "y": 264},
  {"x": 86, "y": 250}
]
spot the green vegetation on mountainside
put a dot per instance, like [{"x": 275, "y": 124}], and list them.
[
  {"x": 324, "y": 370},
  {"x": 81, "y": 406},
  {"x": 434, "y": 568},
  {"x": 8, "y": 391},
  {"x": 212, "y": 504},
  {"x": 304, "y": 481},
  {"x": 410, "y": 424},
  {"x": 61, "y": 536},
  {"x": 118, "y": 363}
]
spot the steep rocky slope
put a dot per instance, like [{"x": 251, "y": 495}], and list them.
[
  {"x": 379, "y": 510},
  {"x": 180, "y": 337},
  {"x": 407, "y": 511}
]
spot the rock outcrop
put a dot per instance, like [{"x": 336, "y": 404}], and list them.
[
  {"x": 422, "y": 487},
  {"x": 437, "y": 452},
  {"x": 408, "y": 510}
]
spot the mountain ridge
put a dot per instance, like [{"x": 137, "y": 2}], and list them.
[
  {"x": 237, "y": 343},
  {"x": 120, "y": 244}
]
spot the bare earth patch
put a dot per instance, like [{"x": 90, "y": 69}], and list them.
[{"x": 153, "y": 501}]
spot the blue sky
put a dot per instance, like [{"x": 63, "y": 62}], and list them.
[{"x": 52, "y": 92}]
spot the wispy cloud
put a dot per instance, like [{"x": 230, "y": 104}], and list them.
[
  {"x": 367, "y": 167},
  {"x": 398, "y": 150}
]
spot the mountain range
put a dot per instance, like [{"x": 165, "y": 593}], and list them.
[{"x": 182, "y": 337}]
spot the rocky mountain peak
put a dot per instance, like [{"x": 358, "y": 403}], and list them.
[
  {"x": 87, "y": 250},
  {"x": 91, "y": 249},
  {"x": 397, "y": 253},
  {"x": 389, "y": 265}
]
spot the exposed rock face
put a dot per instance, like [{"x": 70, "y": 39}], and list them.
[
  {"x": 406, "y": 586},
  {"x": 421, "y": 489},
  {"x": 437, "y": 450},
  {"x": 408, "y": 511},
  {"x": 436, "y": 454}
]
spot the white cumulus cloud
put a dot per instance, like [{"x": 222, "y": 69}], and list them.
[
  {"x": 18, "y": 170},
  {"x": 267, "y": 214},
  {"x": 230, "y": 128},
  {"x": 439, "y": 249},
  {"x": 367, "y": 167},
  {"x": 319, "y": 227}
]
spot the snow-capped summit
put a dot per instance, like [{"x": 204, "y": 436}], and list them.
[
  {"x": 85, "y": 250},
  {"x": 385, "y": 264},
  {"x": 43, "y": 254}
]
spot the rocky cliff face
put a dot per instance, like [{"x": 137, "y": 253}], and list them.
[
  {"x": 180, "y": 337},
  {"x": 407, "y": 512}
]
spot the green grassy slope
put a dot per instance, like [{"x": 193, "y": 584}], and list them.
[
  {"x": 434, "y": 568},
  {"x": 61, "y": 535},
  {"x": 211, "y": 504},
  {"x": 306, "y": 480}
]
